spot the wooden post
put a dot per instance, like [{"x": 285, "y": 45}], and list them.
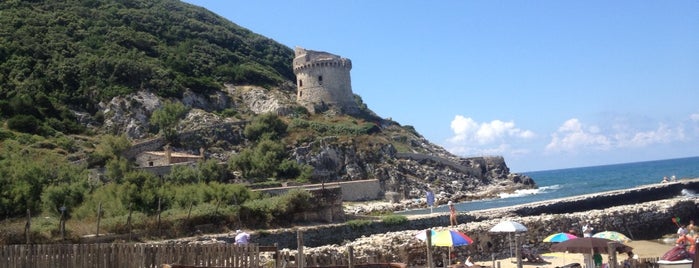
[
  {"x": 160, "y": 232},
  {"x": 350, "y": 261},
  {"x": 492, "y": 258},
  {"x": 128, "y": 221},
  {"x": 99, "y": 217},
  {"x": 428, "y": 234},
  {"x": 611, "y": 247},
  {"x": 277, "y": 256},
  {"x": 301, "y": 258},
  {"x": 62, "y": 225},
  {"x": 518, "y": 254},
  {"x": 28, "y": 226}
]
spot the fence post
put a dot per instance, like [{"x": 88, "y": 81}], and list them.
[
  {"x": 62, "y": 224},
  {"x": 160, "y": 232},
  {"x": 128, "y": 221},
  {"x": 428, "y": 234},
  {"x": 350, "y": 261},
  {"x": 27, "y": 227},
  {"x": 301, "y": 259},
  {"x": 99, "y": 217}
]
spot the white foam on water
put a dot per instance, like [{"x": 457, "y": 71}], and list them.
[
  {"x": 688, "y": 193},
  {"x": 526, "y": 192}
]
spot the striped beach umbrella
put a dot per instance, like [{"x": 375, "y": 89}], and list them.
[
  {"x": 446, "y": 238},
  {"x": 559, "y": 237},
  {"x": 612, "y": 235}
]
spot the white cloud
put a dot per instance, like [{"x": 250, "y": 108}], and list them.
[
  {"x": 663, "y": 134},
  {"x": 467, "y": 130},
  {"x": 486, "y": 138},
  {"x": 694, "y": 117},
  {"x": 573, "y": 135}
]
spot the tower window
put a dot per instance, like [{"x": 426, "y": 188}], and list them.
[
  {"x": 300, "y": 82},
  {"x": 320, "y": 79}
]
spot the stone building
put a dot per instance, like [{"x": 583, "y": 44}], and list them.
[
  {"x": 166, "y": 157},
  {"x": 323, "y": 82}
]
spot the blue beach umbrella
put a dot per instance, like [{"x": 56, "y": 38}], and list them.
[{"x": 559, "y": 237}]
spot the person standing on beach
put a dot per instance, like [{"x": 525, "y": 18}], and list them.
[
  {"x": 452, "y": 214},
  {"x": 587, "y": 230}
]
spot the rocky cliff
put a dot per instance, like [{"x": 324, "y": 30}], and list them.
[{"x": 405, "y": 163}]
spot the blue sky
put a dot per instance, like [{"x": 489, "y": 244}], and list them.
[{"x": 546, "y": 84}]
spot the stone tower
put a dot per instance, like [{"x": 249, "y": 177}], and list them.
[{"x": 323, "y": 82}]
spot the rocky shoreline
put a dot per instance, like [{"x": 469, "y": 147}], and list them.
[{"x": 643, "y": 212}]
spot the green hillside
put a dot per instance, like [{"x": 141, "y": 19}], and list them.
[
  {"x": 85, "y": 83},
  {"x": 60, "y": 59},
  {"x": 59, "y": 55}
]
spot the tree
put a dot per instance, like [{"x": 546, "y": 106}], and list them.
[
  {"x": 167, "y": 116},
  {"x": 268, "y": 159},
  {"x": 267, "y": 126}
]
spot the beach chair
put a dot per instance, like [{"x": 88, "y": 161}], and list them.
[
  {"x": 571, "y": 265},
  {"x": 531, "y": 255}
]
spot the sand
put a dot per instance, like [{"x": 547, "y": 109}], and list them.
[{"x": 642, "y": 248}]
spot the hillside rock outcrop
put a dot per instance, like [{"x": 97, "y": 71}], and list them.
[{"x": 402, "y": 175}]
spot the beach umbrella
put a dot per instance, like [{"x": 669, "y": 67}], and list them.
[
  {"x": 446, "y": 238},
  {"x": 589, "y": 245},
  {"x": 612, "y": 235},
  {"x": 559, "y": 237},
  {"x": 508, "y": 227}
]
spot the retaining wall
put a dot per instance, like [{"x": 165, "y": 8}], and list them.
[{"x": 642, "y": 221}]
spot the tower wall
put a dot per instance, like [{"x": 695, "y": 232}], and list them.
[{"x": 323, "y": 80}]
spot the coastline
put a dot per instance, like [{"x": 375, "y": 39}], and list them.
[{"x": 643, "y": 213}]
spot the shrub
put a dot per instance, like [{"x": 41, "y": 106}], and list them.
[
  {"x": 24, "y": 123},
  {"x": 277, "y": 209},
  {"x": 358, "y": 224},
  {"x": 392, "y": 220}
]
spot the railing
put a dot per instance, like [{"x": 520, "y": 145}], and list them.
[{"x": 132, "y": 255}]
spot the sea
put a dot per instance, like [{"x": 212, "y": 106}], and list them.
[{"x": 561, "y": 183}]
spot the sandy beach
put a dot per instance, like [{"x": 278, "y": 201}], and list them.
[{"x": 642, "y": 248}]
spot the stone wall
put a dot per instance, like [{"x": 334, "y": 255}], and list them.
[
  {"x": 327, "y": 204},
  {"x": 456, "y": 166},
  {"x": 351, "y": 190},
  {"x": 641, "y": 221}
]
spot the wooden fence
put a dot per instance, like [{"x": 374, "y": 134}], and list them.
[{"x": 132, "y": 255}]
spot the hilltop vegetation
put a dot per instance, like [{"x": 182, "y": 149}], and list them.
[
  {"x": 81, "y": 81},
  {"x": 61, "y": 55},
  {"x": 62, "y": 61}
]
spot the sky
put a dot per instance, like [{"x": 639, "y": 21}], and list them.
[{"x": 545, "y": 84}]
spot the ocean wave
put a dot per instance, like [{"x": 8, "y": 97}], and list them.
[
  {"x": 688, "y": 193},
  {"x": 526, "y": 192}
]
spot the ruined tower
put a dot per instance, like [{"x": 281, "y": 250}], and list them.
[{"x": 323, "y": 82}]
